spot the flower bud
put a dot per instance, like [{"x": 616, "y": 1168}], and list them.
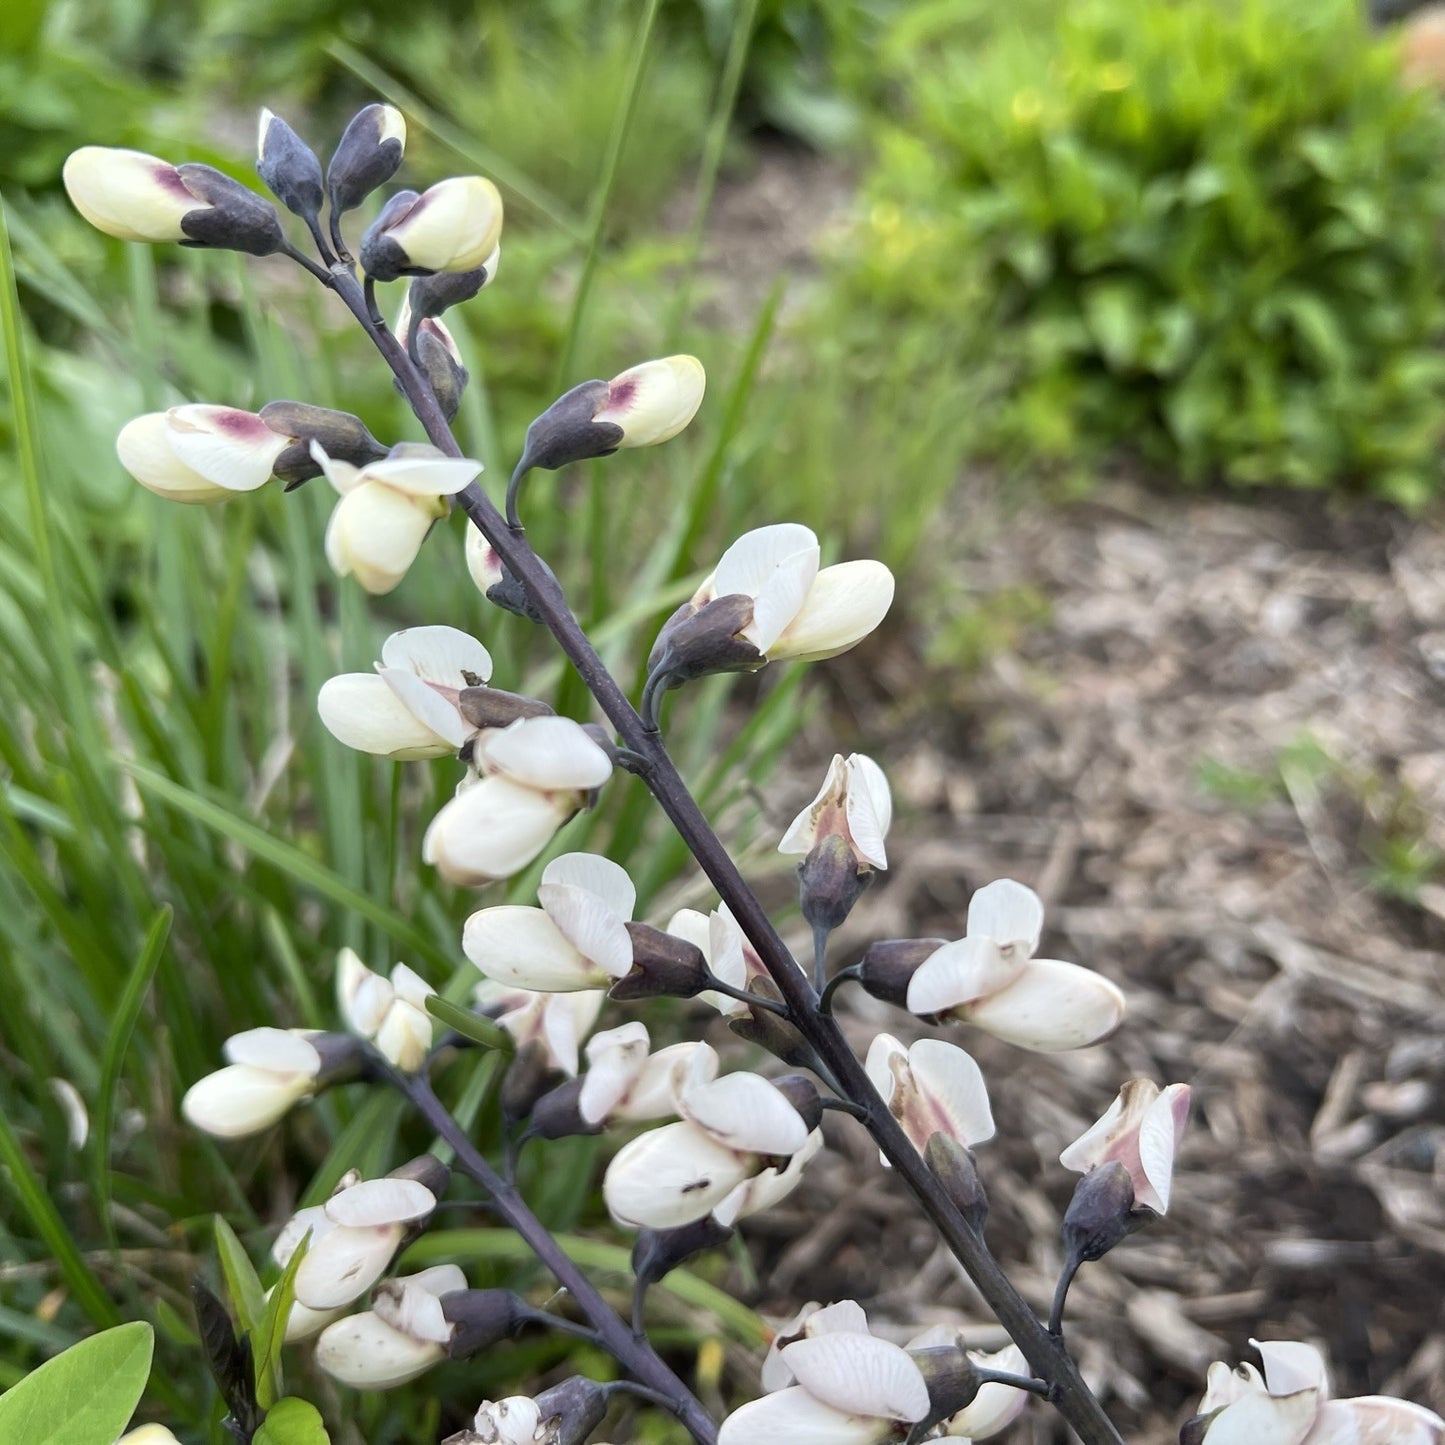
[
  {"x": 830, "y": 882},
  {"x": 432, "y": 295},
  {"x": 802, "y": 1094},
  {"x": 138, "y": 197},
  {"x": 442, "y": 367},
  {"x": 481, "y": 1318},
  {"x": 953, "y": 1164},
  {"x": 369, "y": 152},
  {"x": 572, "y": 1410},
  {"x": 662, "y": 966},
  {"x": 1101, "y": 1213},
  {"x": 952, "y": 1378},
  {"x": 529, "y": 1075},
  {"x": 453, "y": 226},
  {"x": 558, "y": 1114},
  {"x": 339, "y": 434},
  {"x": 888, "y": 966},
  {"x": 289, "y": 167},
  {"x": 269, "y": 1070},
  {"x": 656, "y": 1252}
]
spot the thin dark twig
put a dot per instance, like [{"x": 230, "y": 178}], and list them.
[
  {"x": 302, "y": 259},
  {"x": 1061, "y": 1295},
  {"x": 1043, "y": 1351},
  {"x": 337, "y": 239},
  {"x": 830, "y": 989},
  {"x": 322, "y": 249},
  {"x": 851, "y": 1107},
  {"x": 753, "y": 1000},
  {"x": 514, "y": 492},
  {"x": 653, "y": 691}
]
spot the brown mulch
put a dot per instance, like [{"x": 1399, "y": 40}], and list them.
[{"x": 1187, "y": 639}]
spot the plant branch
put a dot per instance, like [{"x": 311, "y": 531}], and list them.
[
  {"x": 614, "y": 1335},
  {"x": 1043, "y": 1351}
]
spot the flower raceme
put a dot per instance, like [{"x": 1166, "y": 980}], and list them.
[
  {"x": 386, "y": 509},
  {"x": 536, "y": 774},
  {"x": 393, "y": 1014},
  {"x": 138, "y": 197},
  {"x": 990, "y": 979},
  {"x": 1291, "y": 1405},
  {"x": 410, "y": 706},
  {"x": 402, "y": 1335},
  {"x": 576, "y": 939},
  {"x": 1141, "y": 1130},
  {"x": 731, "y": 1130},
  {"x": 832, "y": 1381},
  {"x": 455, "y": 225},
  {"x": 267, "y": 1072}
]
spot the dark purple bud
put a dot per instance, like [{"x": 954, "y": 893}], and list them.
[
  {"x": 367, "y": 156},
  {"x": 490, "y": 707},
  {"x": 381, "y": 256},
  {"x": 656, "y": 1252},
  {"x": 483, "y": 1318},
  {"x": 1193, "y": 1430},
  {"x": 571, "y": 1411},
  {"x": 770, "y": 1031},
  {"x": 953, "y": 1165},
  {"x": 830, "y": 882},
  {"x": 446, "y": 376},
  {"x": 289, "y": 167},
  {"x": 663, "y": 965},
  {"x": 802, "y": 1094},
  {"x": 558, "y": 1114},
  {"x": 529, "y": 1075},
  {"x": 434, "y": 295},
  {"x": 342, "y": 1058},
  {"x": 887, "y": 968},
  {"x": 952, "y": 1379},
  {"x": 566, "y": 433},
  {"x": 700, "y": 642},
  {"x": 1101, "y": 1213},
  {"x": 232, "y": 217},
  {"x": 340, "y": 434}
]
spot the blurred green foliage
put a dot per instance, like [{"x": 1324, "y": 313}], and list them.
[{"x": 1209, "y": 232}]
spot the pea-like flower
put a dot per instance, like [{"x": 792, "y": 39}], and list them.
[
  {"x": 267, "y": 1072},
  {"x": 391, "y": 1013},
  {"x": 931, "y": 1087},
  {"x": 200, "y": 453},
  {"x": 576, "y": 939},
  {"x": 370, "y": 150},
  {"x": 852, "y": 1387},
  {"x": 731, "y": 1129},
  {"x": 402, "y": 1335},
  {"x": 996, "y": 1406},
  {"x": 537, "y": 773},
  {"x": 855, "y": 803},
  {"x": 1291, "y": 1405},
  {"x": 1141, "y": 1130},
  {"x": 990, "y": 979},
  {"x": 555, "y": 1022},
  {"x": 454, "y": 225},
  {"x": 356, "y": 1234},
  {"x": 386, "y": 509},
  {"x": 624, "y": 1080},
  {"x": 410, "y": 706},
  {"x": 138, "y": 197},
  {"x": 730, "y": 957},
  {"x": 771, "y": 1187}
]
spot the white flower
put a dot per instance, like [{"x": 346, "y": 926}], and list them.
[
  {"x": 731, "y": 1130},
  {"x": 1141, "y": 1130},
  {"x": 393, "y": 1014},
  {"x": 268, "y": 1071},
  {"x": 770, "y": 1187},
  {"x": 410, "y": 706},
  {"x": 730, "y": 957},
  {"x": 625, "y": 1081},
  {"x": 854, "y": 803},
  {"x": 852, "y": 1388},
  {"x": 577, "y": 939},
  {"x": 303, "y": 1323},
  {"x": 931, "y": 1088},
  {"x": 128, "y": 194},
  {"x": 387, "y": 508},
  {"x": 990, "y": 979},
  {"x": 539, "y": 771},
  {"x": 513, "y": 1421},
  {"x": 454, "y": 225},
  {"x": 402, "y": 1336},
  {"x": 199, "y": 453},
  {"x": 557, "y": 1022},
  {"x": 1291, "y": 1405},
  {"x": 652, "y": 402},
  {"x": 360, "y": 1228},
  {"x": 798, "y": 611}
]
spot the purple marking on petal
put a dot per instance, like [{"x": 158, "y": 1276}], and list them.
[
  {"x": 621, "y": 394},
  {"x": 169, "y": 178},
  {"x": 243, "y": 425}
]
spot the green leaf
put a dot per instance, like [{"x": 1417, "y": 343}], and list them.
[
  {"x": 468, "y": 1024},
  {"x": 243, "y": 1284},
  {"x": 272, "y": 1333},
  {"x": 292, "y": 1422},
  {"x": 85, "y": 1396}
]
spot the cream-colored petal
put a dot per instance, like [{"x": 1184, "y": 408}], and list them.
[
  {"x": 375, "y": 534},
  {"x": 996, "y": 1406},
  {"x": 960, "y": 973},
  {"x": 145, "y": 451},
  {"x": 365, "y": 1352},
  {"x": 860, "y": 1375},
  {"x": 128, "y": 194},
  {"x": 311, "y": 1221},
  {"x": 845, "y": 603},
  {"x": 239, "y": 1100},
  {"x": 609, "y": 881},
  {"x": 522, "y": 946},
  {"x": 1264, "y": 1420},
  {"x": 411, "y": 986},
  {"x": 802, "y": 832},
  {"x": 770, "y": 1187},
  {"x": 405, "y": 1036},
  {"x": 1289, "y": 1366},
  {"x": 953, "y": 1098},
  {"x": 454, "y": 225},
  {"x": 438, "y": 654},
  {"x": 567, "y": 1018},
  {"x": 615, "y": 1060},
  {"x": 279, "y": 1050},
  {"x": 780, "y": 599},
  {"x": 1376, "y": 1420},
  {"x": 869, "y": 808},
  {"x": 794, "y": 1417},
  {"x": 1051, "y": 1007},
  {"x": 233, "y": 448},
  {"x": 546, "y": 753},
  {"x": 1159, "y": 1134},
  {"x": 380, "y": 1201},
  {"x": 417, "y": 476},
  {"x": 1007, "y": 912},
  {"x": 654, "y": 401},
  {"x": 514, "y": 1421},
  {"x": 748, "y": 564},
  {"x": 361, "y": 711},
  {"x": 437, "y": 711},
  {"x": 671, "y": 1176},
  {"x": 492, "y": 830},
  {"x": 483, "y": 563},
  {"x": 746, "y": 1113},
  {"x": 343, "y": 1265},
  {"x": 590, "y": 926}
]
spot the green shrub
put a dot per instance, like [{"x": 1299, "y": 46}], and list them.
[{"x": 1209, "y": 232}]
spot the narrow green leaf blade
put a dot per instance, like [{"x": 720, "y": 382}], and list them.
[{"x": 243, "y": 1284}]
